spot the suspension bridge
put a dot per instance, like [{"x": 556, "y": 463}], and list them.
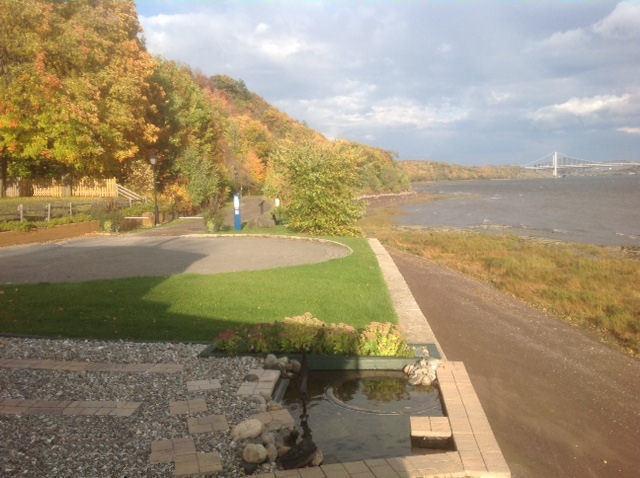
[{"x": 558, "y": 161}]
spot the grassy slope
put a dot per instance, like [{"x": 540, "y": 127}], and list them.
[
  {"x": 196, "y": 307},
  {"x": 595, "y": 287}
]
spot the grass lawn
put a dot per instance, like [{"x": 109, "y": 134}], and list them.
[{"x": 196, "y": 307}]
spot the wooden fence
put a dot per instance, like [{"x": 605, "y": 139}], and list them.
[{"x": 86, "y": 187}]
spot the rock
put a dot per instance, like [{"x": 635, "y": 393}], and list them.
[
  {"x": 318, "y": 458},
  {"x": 251, "y": 377},
  {"x": 274, "y": 406},
  {"x": 266, "y": 395},
  {"x": 427, "y": 380},
  {"x": 251, "y": 428},
  {"x": 282, "y": 363},
  {"x": 258, "y": 399},
  {"x": 249, "y": 468},
  {"x": 282, "y": 450},
  {"x": 415, "y": 379},
  {"x": 268, "y": 438},
  {"x": 271, "y": 361},
  {"x": 254, "y": 453},
  {"x": 272, "y": 452},
  {"x": 295, "y": 365},
  {"x": 409, "y": 368}
]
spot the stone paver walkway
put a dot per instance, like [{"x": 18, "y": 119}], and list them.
[
  {"x": 182, "y": 451},
  {"x": 183, "y": 407},
  {"x": 264, "y": 385},
  {"x": 411, "y": 320},
  {"x": 208, "y": 424},
  {"x": 77, "y": 366},
  {"x": 12, "y": 406},
  {"x": 203, "y": 385}
]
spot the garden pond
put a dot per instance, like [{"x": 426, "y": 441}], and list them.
[{"x": 355, "y": 415}]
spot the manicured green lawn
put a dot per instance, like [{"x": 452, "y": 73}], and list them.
[{"x": 197, "y": 307}]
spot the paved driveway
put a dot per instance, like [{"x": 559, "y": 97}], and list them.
[{"x": 110, "y": 257}]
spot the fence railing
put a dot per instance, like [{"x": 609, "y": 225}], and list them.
[{"x": 86, "y": 187}]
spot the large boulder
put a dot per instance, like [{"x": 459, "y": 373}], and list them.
[
  {"x": 251, "y": 428},
  {"x": 254, "y": 453}
]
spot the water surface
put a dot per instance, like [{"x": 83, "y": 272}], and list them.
[{"x": 589, "y": 209}]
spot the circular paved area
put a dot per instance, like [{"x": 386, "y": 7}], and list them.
[{"x": 133, "y": 256}]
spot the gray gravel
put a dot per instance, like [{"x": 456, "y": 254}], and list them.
[{"x": 103, "y": 446}]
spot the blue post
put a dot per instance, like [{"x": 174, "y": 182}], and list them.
[{"x": 237, "y": 219}]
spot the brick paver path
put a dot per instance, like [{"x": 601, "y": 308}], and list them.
[
  {"x": 203, "y": 385},
  {"x": 67, "y": 407},
  {"x": 265, "y": 384},
  {"x": 183, "y": 407},
  {"x": 208, "y": 424},
  {"x": 182, "y": 451},
  {"x": 77, "y": 366}
]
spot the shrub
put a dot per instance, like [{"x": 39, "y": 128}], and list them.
[
  {"x": 318, "y": 182},
  {"x": 300, "y": 333},
  {"x": 262, "y": 338},
  {"x": 305, "y": 332},
  {"x": 339, "y": 339},
  {"x": 382, "y": 339},
  {"x": 230, "y": 341}
]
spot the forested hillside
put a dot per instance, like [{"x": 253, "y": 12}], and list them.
[
  {"x": 435, "y": 171},
  {"x": 80, "y": 96}
]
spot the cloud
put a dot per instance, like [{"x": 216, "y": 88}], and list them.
[
  {"x": 622, "y": 23},
  {"x": 629, "y": 130},
  {"x": 584, "y": 107},
  {"x": 441, "y": 79}
]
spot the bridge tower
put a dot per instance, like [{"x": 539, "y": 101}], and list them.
[{"x": 555, "y": 164}]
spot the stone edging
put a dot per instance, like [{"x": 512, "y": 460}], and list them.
[{"x": 412, "y": 321}]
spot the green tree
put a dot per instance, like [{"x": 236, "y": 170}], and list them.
[{"x": 318, "y": 183}]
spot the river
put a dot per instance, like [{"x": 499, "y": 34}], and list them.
[{"x": 589, "y": 209}]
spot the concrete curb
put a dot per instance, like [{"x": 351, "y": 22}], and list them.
[{"x": 412, "y": 321}]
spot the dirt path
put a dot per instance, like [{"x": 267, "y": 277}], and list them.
[{"x": 560, "y": 403}]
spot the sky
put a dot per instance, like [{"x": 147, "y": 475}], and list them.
[{"x": 469, "y": 82}]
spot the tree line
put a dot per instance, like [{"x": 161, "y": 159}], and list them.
[{"x": 80, "y": 96}]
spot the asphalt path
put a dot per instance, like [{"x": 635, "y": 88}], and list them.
[
  {"x": 109, "y": 257},
  {"x": 561, "y": 403}
]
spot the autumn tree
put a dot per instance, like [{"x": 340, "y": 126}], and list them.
[
  {"x": 189, "y": 136},
  {"x": 75, "y": 88}
]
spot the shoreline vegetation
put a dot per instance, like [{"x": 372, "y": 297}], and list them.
[
  {"x": 594, "y": 287},
  {"x": 418, "y": 170}
]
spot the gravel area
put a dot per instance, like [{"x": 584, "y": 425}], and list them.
[{"x": 105, "y": 446}]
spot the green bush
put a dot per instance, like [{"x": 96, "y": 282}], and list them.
[
  {"x": 300, "y": 333},
  {"x": 109, "y": 215},
  {"x": 339, "y": 339},
  {"x": 26, "y": 226},
  {"x": 305, "y": 332},
  {"x": 382, "y": 339},
  {"x": 318, "y": 183}
]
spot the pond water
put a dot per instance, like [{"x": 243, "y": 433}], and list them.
[{"x": 362, "y": 415}]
